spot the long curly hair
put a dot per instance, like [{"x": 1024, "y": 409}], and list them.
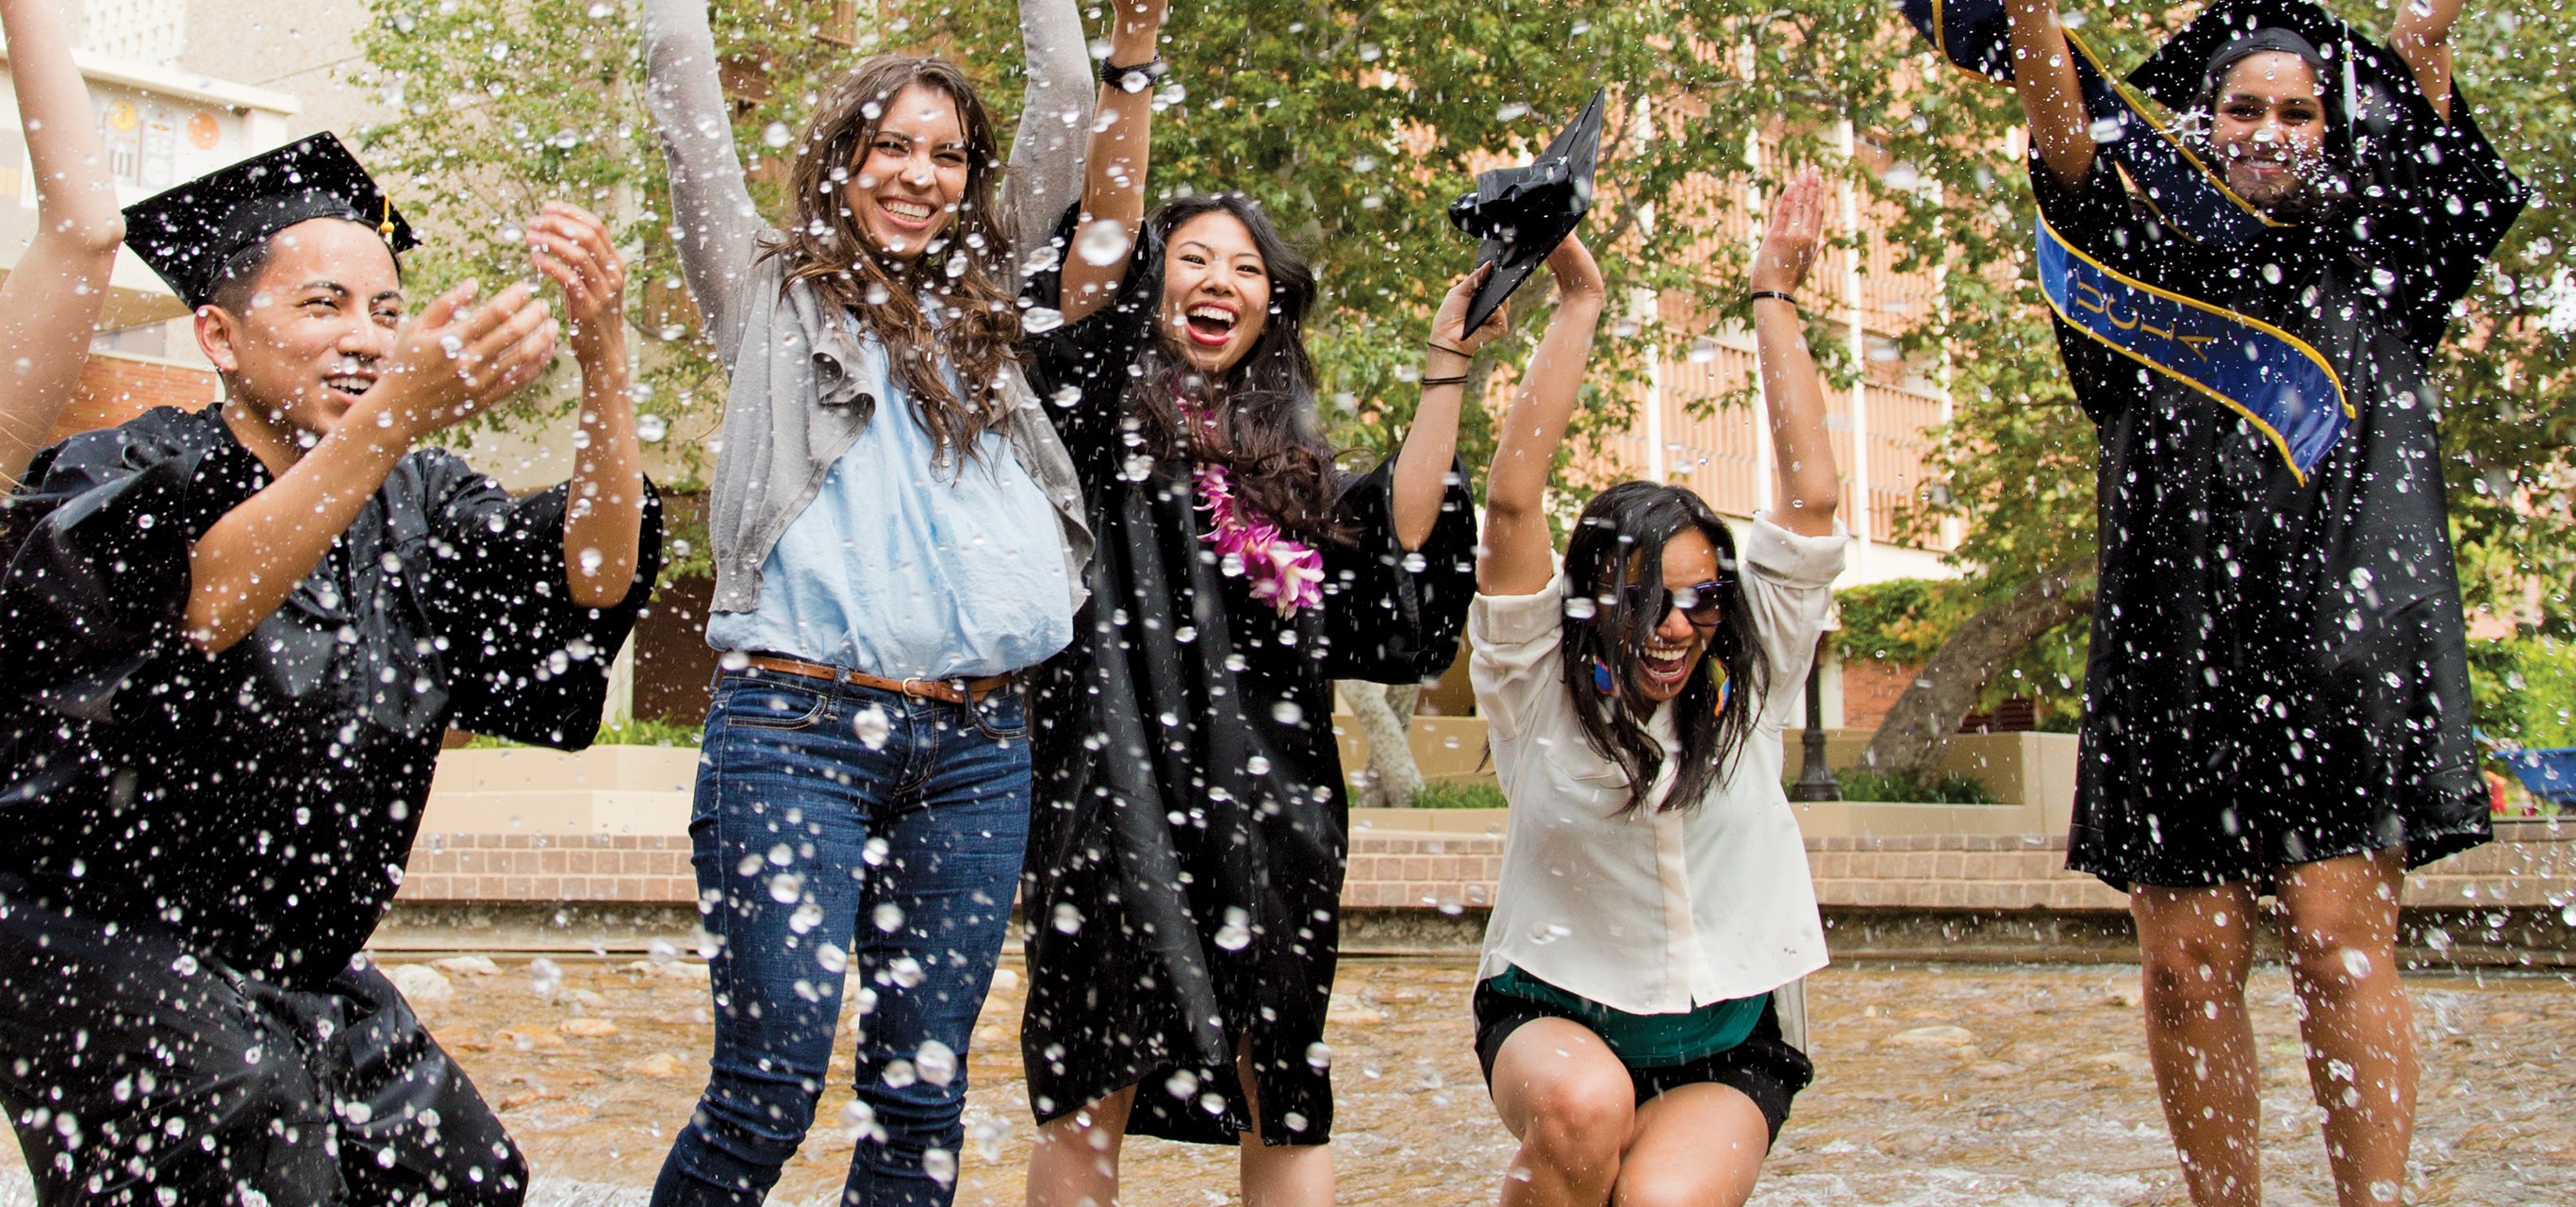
[
  {"x": 952, "y": 302},
  {"x": 1266, "y": 429},
  {"x": 1615, "y": 596}
]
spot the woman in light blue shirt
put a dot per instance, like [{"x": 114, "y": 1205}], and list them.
[{"x": 896, "y": 532}]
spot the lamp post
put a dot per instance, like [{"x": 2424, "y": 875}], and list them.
[{"x": 1815, "y": 778}]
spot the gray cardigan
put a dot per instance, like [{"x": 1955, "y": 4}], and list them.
[{"x": 792, "y": 408}]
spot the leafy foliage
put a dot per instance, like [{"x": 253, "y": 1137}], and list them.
[
  {"x": 1449, "y": 794},
  {"x": 1900, "y": 788},
  {"x": 2525, "y": 689}
]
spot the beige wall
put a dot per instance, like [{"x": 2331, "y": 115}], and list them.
[{"x": 305, "y": 47}]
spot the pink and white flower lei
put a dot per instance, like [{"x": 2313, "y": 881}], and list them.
[{"x": 1284, "y": 572}]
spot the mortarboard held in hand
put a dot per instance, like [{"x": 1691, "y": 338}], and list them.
[
  {"x": 188, "y": 233},
  {"x": 1521, "y": 214}
]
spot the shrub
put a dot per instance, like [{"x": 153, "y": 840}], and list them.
[
  {"x": 1441, "y": 794},
  {"x": 1897, "y": 788}
]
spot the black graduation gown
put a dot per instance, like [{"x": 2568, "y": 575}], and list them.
[
  {"x": 2279, "y": 671},
  {"x": 1187, "y": 848},
  {"x": 260, "y": 803}
]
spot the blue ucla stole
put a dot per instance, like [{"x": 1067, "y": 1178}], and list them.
[{"x": 2272, "y": 378}]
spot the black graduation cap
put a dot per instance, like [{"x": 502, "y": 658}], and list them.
[
  {"x": 188, "y": 232},
  {"x": 2357, "y": 69},
  {"x": 1521, "y": 214}
]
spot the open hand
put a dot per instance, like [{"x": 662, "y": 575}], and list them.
[
  {"x": 455, "y": 359},
  {"x": 569, "y": 244},
  {"x": 1795, "y": 232}
]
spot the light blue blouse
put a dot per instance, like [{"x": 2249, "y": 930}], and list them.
[{"x": 901, "y": 569}]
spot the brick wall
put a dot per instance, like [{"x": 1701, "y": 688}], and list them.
[
  {"x": 525, "y": 867},
  {"x": 2530, "y": 865},
  {"x": 1870, "y": 688},
  {"x": 116, "y": 388}
]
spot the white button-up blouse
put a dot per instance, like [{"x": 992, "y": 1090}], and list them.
[{"x": 1651, "y": 912}]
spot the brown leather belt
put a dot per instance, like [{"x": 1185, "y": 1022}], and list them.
[{"x": 944, "y": 690}]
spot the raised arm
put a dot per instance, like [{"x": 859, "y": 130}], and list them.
[
  {"x": 2052, "y": 101},
  {"x": 1055, "y": 123},
  {"x": 247, "y": 562},
  {"x": 1113, "y": 183},
  {"x": 49, "y": 305},
  {"x": 604, "y": 517},
  {"x": 1517, "y": 560},
  {"x": 1809, "y": 487},
  {"x": 1431, "y": 447},
  {"x": 2423, "y": 39},
  {"x": 716, "y": 228}
]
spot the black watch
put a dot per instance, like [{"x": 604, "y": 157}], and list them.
[{"x": 1153, "y": 70}]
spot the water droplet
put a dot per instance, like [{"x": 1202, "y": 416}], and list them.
[
  {"x": 545, "y": 976},
  {"x": 860, "y": 1121},
  {"x": 1578, "y": 607},
  {"x": 898, "y": 1074},
  {"x": 1038, "y": 320},
  {"x": 1703, "y": 350},
  {"x": 936, "y": 1062},
  {"x": 775, "y": 134},
  {"x": 782, "y": 854},
  {"x": 904, "y": 971},
  {"x": 1068, "y": 919},
  {"x": 1102, "y": 243},
  {"x": 872, "y": 726},
  {"x": 832, "y": 959},
  {"x": 600, "y": 9},
  {"x": 786, "y": 888},
  {"x": 939, "y": 1165},
  {"x": 651, "y": 428},
  {"x": 1235, "y": 935},
  {"x": 1512, "y": 112},
  {"x": 888, "y": 917},
  {"x": 1319, "y": 1055},
  {"x": 1181, "y": 1084},
  {"x": 1286, "y": 712}
]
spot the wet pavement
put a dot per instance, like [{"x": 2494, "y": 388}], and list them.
[{"x": 1936, "y": 1085}]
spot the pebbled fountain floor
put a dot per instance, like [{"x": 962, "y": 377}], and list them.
[{"x": 1937, "y": 1085}]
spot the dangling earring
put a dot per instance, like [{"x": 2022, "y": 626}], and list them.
[
  {"x": 1725, "y": 683},
  {"x": 1602, "y": 681}
]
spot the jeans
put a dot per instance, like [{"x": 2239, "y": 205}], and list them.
[{"x": 844, "y": 831}]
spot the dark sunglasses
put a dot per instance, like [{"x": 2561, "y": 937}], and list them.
[{"x": 1700, "y": 604}]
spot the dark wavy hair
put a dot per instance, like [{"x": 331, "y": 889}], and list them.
[
  {"x": 965, "y": 272},
  {"x": 1267, "y": 431},
  {"x": 1614, "y": 562}
]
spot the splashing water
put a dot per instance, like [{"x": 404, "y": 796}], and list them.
[
  {"x": 1101, "y": 243},
  {"x": 872, "y": 726},
  {"x": 545, "y": 977},
  {"x": 936, "y": 1062},
  {"x": 1236, "y": 934}
]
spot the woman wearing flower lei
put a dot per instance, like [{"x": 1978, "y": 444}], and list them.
[{"x": 1186, "y": 853}]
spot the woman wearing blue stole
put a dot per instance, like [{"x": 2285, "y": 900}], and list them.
[{"x": 2248, "y": 304}]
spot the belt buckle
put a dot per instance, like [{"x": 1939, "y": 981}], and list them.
[{"x": 911, "y": 686}]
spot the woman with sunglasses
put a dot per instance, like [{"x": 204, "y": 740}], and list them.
[{"x": 1654, "y": 890}]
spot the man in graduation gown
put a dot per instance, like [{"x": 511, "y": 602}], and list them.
[
  {"x": 2248, "y": 302},
  {"x": 231, "y": 641}
]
